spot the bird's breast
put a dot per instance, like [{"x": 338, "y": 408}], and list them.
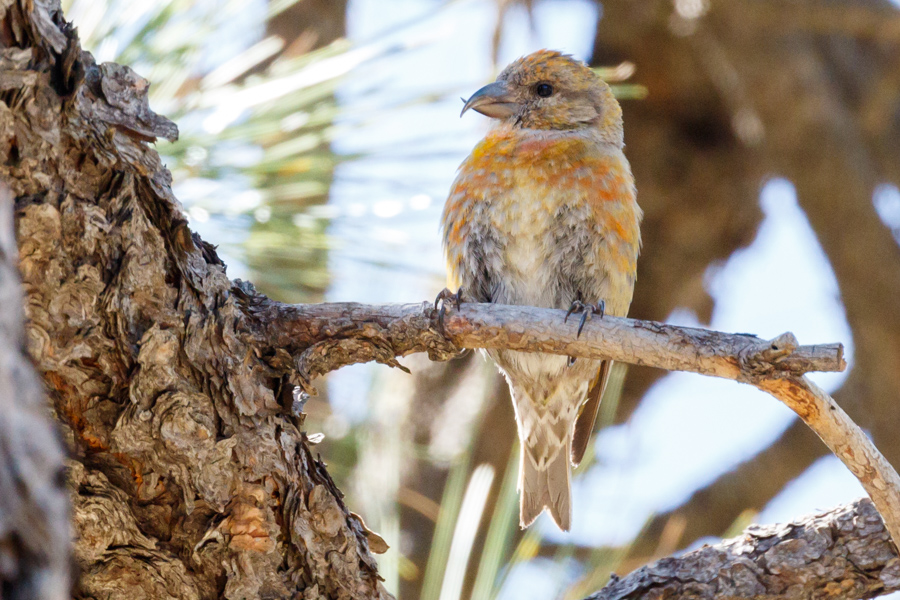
[{"x": 536, "y": 211}]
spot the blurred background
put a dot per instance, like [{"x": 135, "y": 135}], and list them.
[{"x": 319, "y": 138}]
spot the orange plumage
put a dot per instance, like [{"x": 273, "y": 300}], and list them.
[{"x": 543, "y": 213}]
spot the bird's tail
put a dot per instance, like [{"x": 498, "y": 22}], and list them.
[
  {"x": 543, "y": 486},
  {"x": 545, "y": 432}
]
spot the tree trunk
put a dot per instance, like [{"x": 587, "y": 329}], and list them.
[{"x": 190, "y": 480}]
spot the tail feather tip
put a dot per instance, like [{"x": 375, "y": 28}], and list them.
[{"x": 546, "y": 489}]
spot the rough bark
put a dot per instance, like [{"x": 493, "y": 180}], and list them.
[
  {"x": 842, "y": 554},
  {"x": 190, "y": 482},
  {"x": 34, "y": 510}
]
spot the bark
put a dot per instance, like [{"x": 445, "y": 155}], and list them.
[
  {"x": 842, "y": 554},
  {"x": 191, "y": 481},
  {"x": 34, "y": 509}
]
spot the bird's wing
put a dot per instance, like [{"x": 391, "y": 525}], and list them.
[
  {"x": 618, "y": 216},
  {"x": 470, "y": 245},
  {"x": 587, "y": 415}
]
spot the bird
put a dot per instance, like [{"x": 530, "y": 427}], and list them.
[{"x": 543, "y": 213}]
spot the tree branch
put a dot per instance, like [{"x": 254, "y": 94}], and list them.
[
  {"x": 331, "y": 335},
  {"x": 846, "y": 440},
  {"x": 324, "y": 337},
  {"x": 842, "y": 554}
]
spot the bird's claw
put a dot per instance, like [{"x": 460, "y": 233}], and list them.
[
  {"x": 443, "y": 297},
  {"x": 587, "y": 311}
]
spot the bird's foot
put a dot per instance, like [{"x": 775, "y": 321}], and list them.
[
  {"x": 587, "y": 311},
  {"x": 442, "y": 299}
]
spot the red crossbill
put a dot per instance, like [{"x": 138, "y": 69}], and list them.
[{"x": 543, "y": 213}]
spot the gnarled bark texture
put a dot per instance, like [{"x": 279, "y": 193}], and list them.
[
  {"x": 190, "y": 482},
  {"x": 841, "y": 554}
]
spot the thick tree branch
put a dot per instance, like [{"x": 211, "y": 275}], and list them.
[{"x": 842, "y": 554}]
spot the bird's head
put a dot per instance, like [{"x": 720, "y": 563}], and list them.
[{"x": 550, "y": 90}]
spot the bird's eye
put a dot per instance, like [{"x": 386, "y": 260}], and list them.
[{"x": 544, "y": 90}]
